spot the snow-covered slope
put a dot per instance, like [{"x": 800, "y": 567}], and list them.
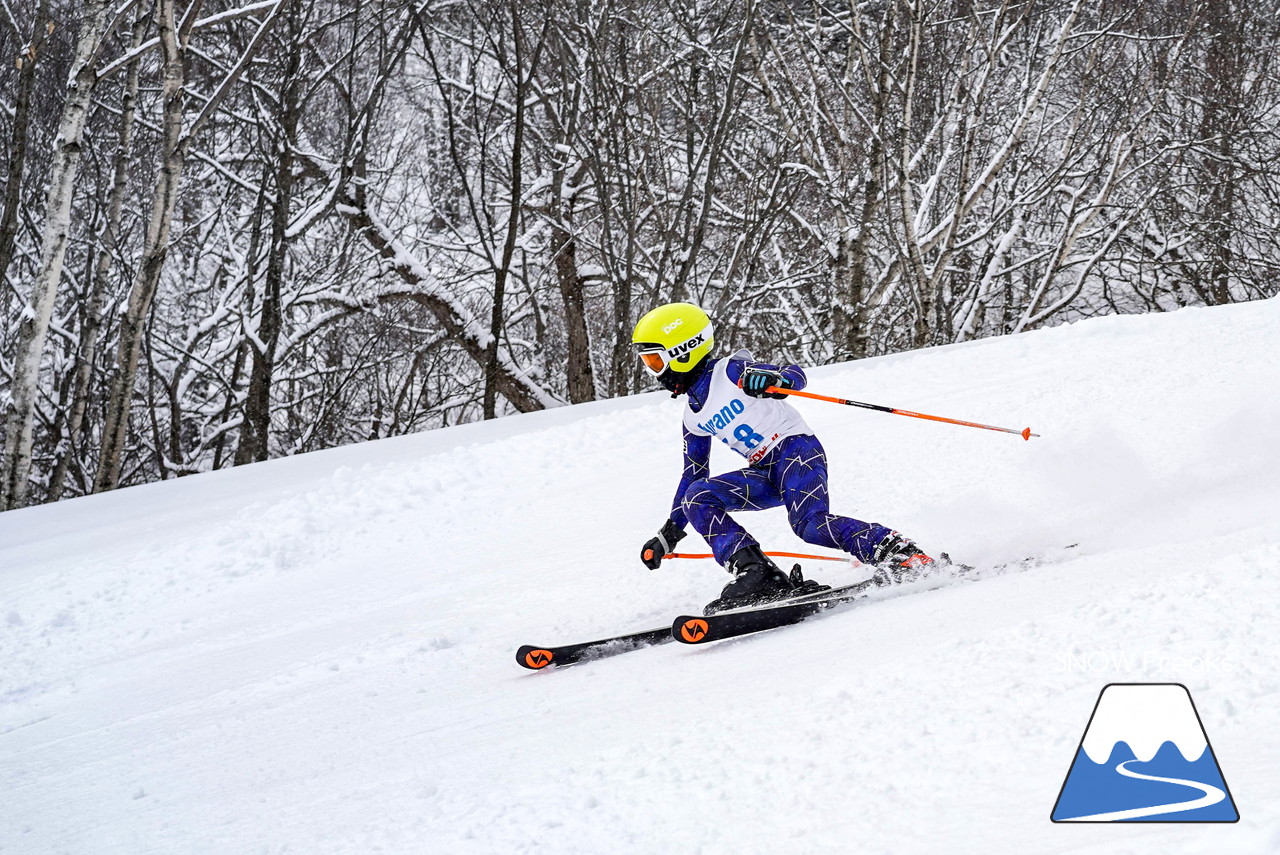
[{"x": 316, "y": 654}]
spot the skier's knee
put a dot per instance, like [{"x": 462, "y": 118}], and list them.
[{"x": 700, "y": 495}]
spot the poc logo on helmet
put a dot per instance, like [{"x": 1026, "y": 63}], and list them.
[{"x": 673, "y": 325}]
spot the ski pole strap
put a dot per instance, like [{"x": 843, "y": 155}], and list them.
[
  {"x": 1025, "y": 433},
  {"x": 772, "y": 554}
]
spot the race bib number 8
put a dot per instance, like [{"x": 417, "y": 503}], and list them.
[{"x": 747, "y": 436}]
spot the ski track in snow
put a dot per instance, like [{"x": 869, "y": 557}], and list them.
[{"x": 316, "y": 654}]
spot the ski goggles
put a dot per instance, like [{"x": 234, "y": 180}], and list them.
[{"x": 653, "y": 357}]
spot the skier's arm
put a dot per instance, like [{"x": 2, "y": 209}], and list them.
[
  {"x": 697, "y": 462},
  {"x": 755, "y": 377},
  {"x": 697, "y": 457}
]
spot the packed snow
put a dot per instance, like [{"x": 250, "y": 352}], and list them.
[{"x": 316, "y": 654}]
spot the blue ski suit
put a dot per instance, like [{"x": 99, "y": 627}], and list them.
[{"x": 790, "y": 473}]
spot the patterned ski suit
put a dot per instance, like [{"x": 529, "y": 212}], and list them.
[{"x": 787, "y": 466}]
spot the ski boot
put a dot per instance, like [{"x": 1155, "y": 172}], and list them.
[
  {"x": 757, "y": 580},
  {"x": 897, "y": 559}
]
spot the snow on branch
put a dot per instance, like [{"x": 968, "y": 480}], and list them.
[
  {"x": 512, "y": 382},
  {"x": 123, "y": 61}
]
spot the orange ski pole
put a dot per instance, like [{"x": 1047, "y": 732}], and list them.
[
  {"x": 1025, "y": 433},
  {"x": 774, "y": 554}
]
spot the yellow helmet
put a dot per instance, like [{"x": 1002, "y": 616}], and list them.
[{"x": 673, "y": 337}]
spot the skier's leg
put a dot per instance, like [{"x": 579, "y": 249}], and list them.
[
  {"x": 708, "y": 501},
  {"x": 801, "y": 478}
]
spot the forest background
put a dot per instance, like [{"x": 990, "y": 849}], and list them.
[{"x": 238, "y": 229}]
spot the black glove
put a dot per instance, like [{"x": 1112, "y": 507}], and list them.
[
  {"x": 756, "y": 380},
  {"x": 659, "y": 546}
]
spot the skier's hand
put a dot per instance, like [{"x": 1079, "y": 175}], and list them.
[
  {"x": 756, "y": 380},
  {"x": 659, "y": 546}
]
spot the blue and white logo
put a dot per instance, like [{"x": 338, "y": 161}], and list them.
[{"x": 1145, "y": 757}]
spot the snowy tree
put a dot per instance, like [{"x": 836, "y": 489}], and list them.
[{"x": 236, "y": 229}]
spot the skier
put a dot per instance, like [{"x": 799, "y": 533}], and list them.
[{"x": 786, "y": 463}]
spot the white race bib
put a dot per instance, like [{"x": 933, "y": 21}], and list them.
[{"x": 750, "y": 426}]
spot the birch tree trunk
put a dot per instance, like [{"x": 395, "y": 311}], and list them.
[
  {"x": 173, "y": 48},
  {"x": 849, "y": 318},
  {"x": 155, "y": 250},
  {"x": 15, "y": 465},
  {"x": 102, "y": 263}
]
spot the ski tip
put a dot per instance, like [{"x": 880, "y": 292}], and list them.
[
  {"x": 689, "y": 629},
  {"x": 534, "y": 658}
]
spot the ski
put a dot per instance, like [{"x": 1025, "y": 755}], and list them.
[
  {"x": 536, "y": 658},
  {"x": 702, "y": 629}
]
